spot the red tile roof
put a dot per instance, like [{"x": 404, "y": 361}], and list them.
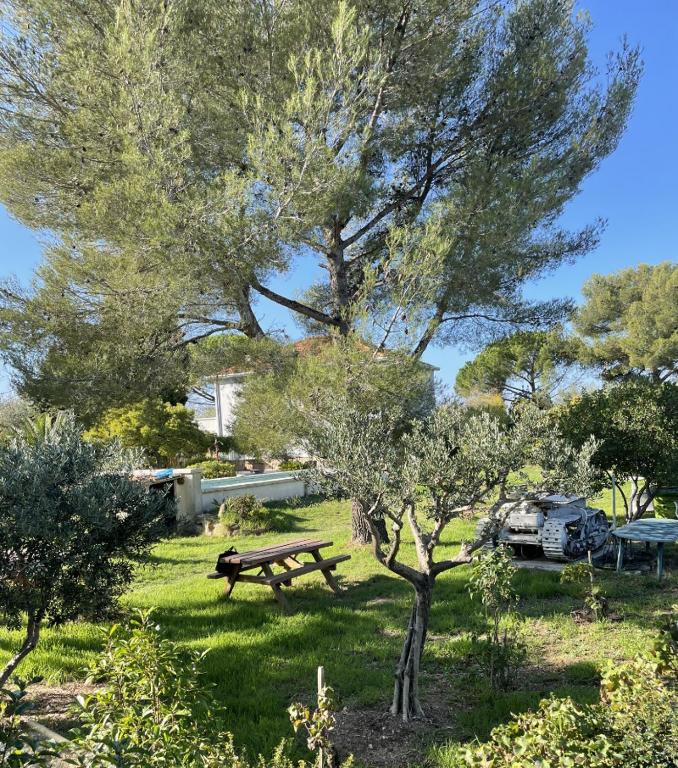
[{"x": 312, "y": 345}]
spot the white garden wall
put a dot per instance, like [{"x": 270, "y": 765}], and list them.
[{"x": 274, "y": 489}]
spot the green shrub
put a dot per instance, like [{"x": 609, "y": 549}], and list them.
[
  {"x": 73, "y": 526},
  {"x": 18, "y": 746},
  {"x": 501, "y": 652},
  {"x": 153, "y": 709},
  {"x": 211, "y": 470},
  {"x": 165, "y": 432},
  {"x": 582, "y": 574},
  {"x": 293, "y": 465},
  {"x": 633, "y": 726},
  {"x": 664, "y": 654},
  {"x": 245, "y": 514}
]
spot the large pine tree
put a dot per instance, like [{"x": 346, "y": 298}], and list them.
[{"x": 411, "y": 156}]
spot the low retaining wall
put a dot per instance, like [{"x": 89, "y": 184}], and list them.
[
  {"x": 193, "y": 500},
  {"x": 185, "y": 487},
  {"x": 274, "y": 489}
]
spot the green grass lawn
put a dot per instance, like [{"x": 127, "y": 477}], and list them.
[{"x": 262, "y": 660}]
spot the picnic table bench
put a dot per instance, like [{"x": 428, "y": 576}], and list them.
[
  {"x": 657, "y": 531},
  {"x": 234, "y": 567}
]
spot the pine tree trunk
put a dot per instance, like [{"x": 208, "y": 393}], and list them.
[
  {"x": 30, "y": 641},
  {"x": 406, "y": 702},
  {"x": 248, "y": 320},
  {"x": 360, "y": 527}
]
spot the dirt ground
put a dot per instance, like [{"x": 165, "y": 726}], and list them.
[
  {"x": 55, "y": 706},
  {"x": 375, "y": 738}
]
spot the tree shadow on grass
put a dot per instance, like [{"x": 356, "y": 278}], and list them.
[
  {"x": 580, "y": 681},
  {"x": 631, "y": 598},
  {"x": 156, "y": 560},
  {"x": 10, "y": 642},
  {"x": 281, "y": 522},
  {"x": 253, "y": 606},
  {"x": 285, "y": 522},
  {"x": 298, "y": 503},
  {"x": 262, "y": 660}
]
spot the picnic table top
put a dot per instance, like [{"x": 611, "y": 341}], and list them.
[
  {"x": 275, "y": 552},
  {"x": 652, "y": 530}
]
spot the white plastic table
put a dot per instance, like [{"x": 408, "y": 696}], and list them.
[{"x": 651, "y": 531}]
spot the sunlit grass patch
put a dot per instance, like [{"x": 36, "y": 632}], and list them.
[{"x": 261, "y": 660}]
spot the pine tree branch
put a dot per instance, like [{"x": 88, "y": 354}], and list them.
[{"x": 295, "y": 306}]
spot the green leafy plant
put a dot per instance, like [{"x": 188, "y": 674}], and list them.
[
  {"x": 245, "y": 514},
  {"x": 211, "y": 470},
  {"x": 18, "y": 746},
  {"x": 165, "y": 432},
  {"x": 582, "y": 574},
  {"x": 318, "y": 724},
  {"x": 293, "y": 465},
  {"x": 634, "y": 423},
  {"x": 633, "y": 726},
  {"x": 72, "y": 525},
  {"x": 491, "y": 582},
  {"x": 156, "y": 709},
  {"x": 638, "y": 708},
  {"x": 664, "y": 653}
]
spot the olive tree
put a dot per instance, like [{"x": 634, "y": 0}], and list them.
[
  {"x": 276, "y": 409},
  {"x": 423, "y": 477},
  {"x": 72, "y": 524}
]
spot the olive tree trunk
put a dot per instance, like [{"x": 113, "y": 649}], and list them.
[
  {"x": 642, "y": 495},
  {"x": 29, "y": 643},
  {"x": 406, "y": 702}
]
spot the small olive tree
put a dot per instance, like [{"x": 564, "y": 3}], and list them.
[
  {"x": 491, "y": 583},
  {"x": 72, "y": 523},
  {"x": 423, "y": 477}
]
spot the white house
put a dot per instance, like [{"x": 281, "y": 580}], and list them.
[{"x": 228, "y": 385}]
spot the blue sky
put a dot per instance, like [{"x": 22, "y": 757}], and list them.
[{"x": 635, "y": 190}]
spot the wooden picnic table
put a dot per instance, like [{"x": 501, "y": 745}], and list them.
[
  {"x": 652, "y": 530},
  {"x": 234, "y": 567}
]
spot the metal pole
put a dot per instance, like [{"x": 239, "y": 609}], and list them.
[
  {"x": 321, "y": 693},
  {"x": 217, "y": 407},
  {"x": 614, "y": 502},
  {"x": 660, "y": 560},
  {"x": 321, "y": 682}
]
